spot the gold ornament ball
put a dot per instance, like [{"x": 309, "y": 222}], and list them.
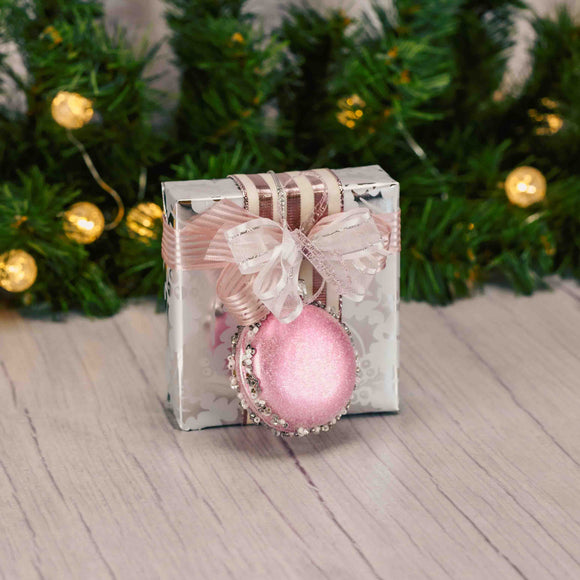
[
  {"x": 142, "y": 218},
  {"x": 84, "y": 222},
  {"x": 525, "y": 186},
  {"x": 71, "y": 110},
  {"x": 18, "y": 271}
]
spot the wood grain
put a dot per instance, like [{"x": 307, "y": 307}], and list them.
[{"x": 477, "y": 477}]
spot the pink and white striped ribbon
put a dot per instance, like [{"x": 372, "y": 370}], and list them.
[{"x": 261, "y": 259}]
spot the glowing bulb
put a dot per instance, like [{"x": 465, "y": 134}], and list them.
[
  {"x": 350, "y": 110},
  {"x": 549, "y": 123},
  {"x": 553, "y": 123},
  {"x": 84, "y": 222},
  {"x": 18, "y": 271},
  {"x": 143, "y": 219},
  {"x": 525, "y": 186},
  {"x": 71, "y": 110}
]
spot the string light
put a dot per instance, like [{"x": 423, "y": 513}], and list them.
[
  {"x": 405, "y": 77},
  {"x": 52, "y": 33},
  {"x": 498, "y": 96},
  {"x": 553, "y": 124},
  {"x": 100, "y": 181},
  {"x": 525, "y": 186},
  {"x": 351, "y": 110},
  {"x": 71, "y": 110},
  {"x": 142, "y": 220},
  {"x": 18, "y": 271},
  {"x": 549, "y": 123},
  {"x": 84, "y": 222}
]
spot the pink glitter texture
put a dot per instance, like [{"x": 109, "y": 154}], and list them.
[{"x": 306, "y": 369}]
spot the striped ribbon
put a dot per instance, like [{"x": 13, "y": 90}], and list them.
[{"x": 260, "y": 248}]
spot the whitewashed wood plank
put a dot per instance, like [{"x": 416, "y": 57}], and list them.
[{"x": 476, "y": 478}]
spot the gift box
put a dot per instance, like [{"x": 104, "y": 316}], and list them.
[{"x": 202, "y": 325}]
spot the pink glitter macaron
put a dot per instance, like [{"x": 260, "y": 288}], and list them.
[{"x": 295, "y": 378}]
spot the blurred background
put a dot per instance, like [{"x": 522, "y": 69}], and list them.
[
  {"x": 471, "y": 105},
  {"x": 146, "y": 17}
]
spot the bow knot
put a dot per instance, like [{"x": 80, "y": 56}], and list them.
[{"x": 260, "y": 259}]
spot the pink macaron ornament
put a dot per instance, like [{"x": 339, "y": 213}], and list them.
[{"x": 295, "y": 378}]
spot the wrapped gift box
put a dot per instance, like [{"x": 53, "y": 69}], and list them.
[{"x": 200, "y": 329}]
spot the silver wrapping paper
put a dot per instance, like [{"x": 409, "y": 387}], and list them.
[{"x": 200, "y": 331}]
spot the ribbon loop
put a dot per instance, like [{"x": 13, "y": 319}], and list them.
[
  {"x": 260, "y": 259},
  {"x": 348, "y": 250}
]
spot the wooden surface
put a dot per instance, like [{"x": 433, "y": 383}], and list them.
[{"x": 477, "y": 477}]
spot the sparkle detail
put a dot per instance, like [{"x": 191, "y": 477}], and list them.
[{"x": 261, "y": 412}]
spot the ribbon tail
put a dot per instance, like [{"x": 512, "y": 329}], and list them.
[
  {"x": 389, "y": 226},
  {"x": 235, "y": 291}
]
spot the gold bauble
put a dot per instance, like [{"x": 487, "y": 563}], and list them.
[
  {"x": 18, "y": 271},
  {"x": 142, "y": 218},
  {"x": 71, "y": 110},
  {"x": 525, "y": 186},
  {"x": 84, "y": 222}
]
